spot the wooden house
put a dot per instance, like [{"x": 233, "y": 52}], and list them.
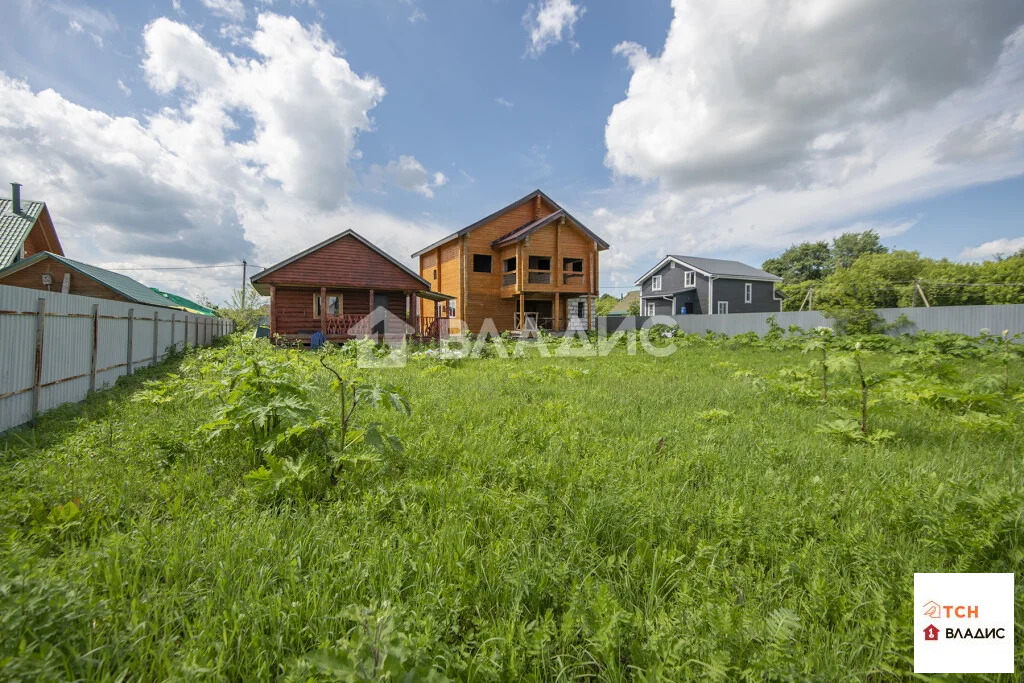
[
  {"x": 335, "y": 286},
  {"x": 528, "y": 265},
  {"x": 25, "y": 229},
  {"x": 57, "y": 273}
]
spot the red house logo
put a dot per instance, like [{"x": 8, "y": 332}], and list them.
[{"x": 931, "y": 632}]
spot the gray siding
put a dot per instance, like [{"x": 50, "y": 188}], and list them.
[
  {"x": 672, "y": 280},
  {"x": 762, "y": 301}
]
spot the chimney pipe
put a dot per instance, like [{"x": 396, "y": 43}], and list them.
[{"x": 16, "y": 197}]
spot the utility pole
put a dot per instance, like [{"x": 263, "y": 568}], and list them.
[{"x": 244, "y": 266}]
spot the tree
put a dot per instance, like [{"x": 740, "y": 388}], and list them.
[
  {"x": 850, "y": 246},
  {"x": 801, "y": 262},
  {"x": 634, "y": 308},
  {"x": 605, "y": 303},
  {"x": 247, "y": 316}
]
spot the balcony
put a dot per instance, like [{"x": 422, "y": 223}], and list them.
[
  {"x": 508, "y": 279},
  {"x": 538, "y": 277}
]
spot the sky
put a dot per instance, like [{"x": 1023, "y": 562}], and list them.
[{"x": 180, "y": 133}]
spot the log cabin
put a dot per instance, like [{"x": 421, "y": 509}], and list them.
[
  {"x": 529, "y": 265},
  {"x": 333, "y": 287},
  {"x": 25, "y": 229}
]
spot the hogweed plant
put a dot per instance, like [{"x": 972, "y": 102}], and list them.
[{"x": 819, "y": 341}]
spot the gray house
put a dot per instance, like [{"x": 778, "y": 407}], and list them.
[{"x": 692, "y": 284}]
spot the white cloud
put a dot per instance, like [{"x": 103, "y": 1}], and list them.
[
  {"x": 408, "y": 174},
  {"x": 247, "y": 159},
  {"x": 765, "y": 122},
  {"x": 229, "y": 9},
  {"x": 990, "y": 250},
  {"x": 124, "y": 88},
  {"x": 551, "y": 22},
  {"x": 503, "y": 102}
]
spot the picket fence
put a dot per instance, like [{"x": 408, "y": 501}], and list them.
[
  {"x": 968, "y": 320},
  {"x": 57, "y": 348}
]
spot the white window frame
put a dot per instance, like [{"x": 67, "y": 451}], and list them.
[
  {"x": 690, "y": 278},
  {"x": 672, "y": 264},
  {"x": 651, "y": 308},
  {"x": 723, "y": 307},
  {"x": 748, "y": 292},
  {"x": 655, "y": 283}
]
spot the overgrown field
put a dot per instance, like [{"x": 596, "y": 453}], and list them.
[{"x": 701, "y": 515}]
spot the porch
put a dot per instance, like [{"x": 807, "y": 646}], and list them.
[
  {"x": 555, "y": 312},
  {"x": 342, "y": 314}
]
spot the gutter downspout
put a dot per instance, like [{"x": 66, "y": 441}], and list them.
[{"x": 711, "y": 294}]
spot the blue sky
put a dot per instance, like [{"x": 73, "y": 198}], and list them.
[{"x": 207, "y": 131}]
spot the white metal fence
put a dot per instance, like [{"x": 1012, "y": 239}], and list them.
[
  {"x": 961, "y": 319},
  {"x": 56, "y": 348}
]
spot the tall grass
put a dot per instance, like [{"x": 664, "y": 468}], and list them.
[{"x": 556, "y": 518}]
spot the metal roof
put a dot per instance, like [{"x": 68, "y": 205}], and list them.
[
  {"x": 315, "y": 247},
  {"x": 122, "y": 284},
  {"x": 185, "y": 304},
  {"x": 519, "y": 202},
  {"x": 714, "y": 267},
  {"x": 15, "y": 227}
]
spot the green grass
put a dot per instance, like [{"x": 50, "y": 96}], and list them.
[{"x": 605, "y": 518}]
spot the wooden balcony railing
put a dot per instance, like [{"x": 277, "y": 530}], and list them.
[
  {"x": 357, "y": 326},
  {"x": 568, "y": 277},
  {"x": 508, "y": 279},
  {"x": 539, "y": 277}
]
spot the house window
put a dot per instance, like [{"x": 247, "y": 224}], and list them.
[
  {"x": 580, "y": 313},
  {"x": 650, "y": 308},
  {"x": 748, "y": 293},
  {"x": 656, "y": 283},
  {"x": 723, "y": 307},
  {"x": 335, "y": 305},
  {"x": 672, "y": 264},
  {"x": 481, "y": 263},
  {"x": 689, "y": 279},
  {"x": 574, "y": 265},
  {"x": 540, "y": 263},
  {"x": 435, "y": 273},
  {"x": 508, "y": 265}
]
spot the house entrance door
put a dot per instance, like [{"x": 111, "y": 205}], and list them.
[{"x": 380, "y": 301}]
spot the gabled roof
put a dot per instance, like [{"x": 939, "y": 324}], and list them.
[
  {"x": 519, "y": 202},
  {"x": 15, "y": 227},
  {"x": 624, "y": 303},
  {"x": 713, "y": 267},
  {"x": 122, "y": 284},
  {"x": 348, "y": 233}
]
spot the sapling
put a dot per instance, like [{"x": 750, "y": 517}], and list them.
[
  {"x": 853, "y": 362},
  {"x": 819, "y": 341}
]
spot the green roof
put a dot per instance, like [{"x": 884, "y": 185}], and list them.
[
  {"x": 622, "y": 308},
  {"x": 122, "y": 284},
  {"x": 14, "y": 228},
  {"x": 187, "y": 304}
]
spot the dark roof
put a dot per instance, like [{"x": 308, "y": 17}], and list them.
[
  {"x": 15, "y": 227},
  {"x": 519, "y": 202},
  {"x": 122, "y": 284},
  {"x": 725, "y": 268},
  {"x": 347, "y": 233}
]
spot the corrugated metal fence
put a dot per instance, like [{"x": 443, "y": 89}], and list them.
[
  {"x": 56, "y": 348},
  {"x": 961, "y": 319}
]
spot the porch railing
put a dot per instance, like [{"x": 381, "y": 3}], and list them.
[{"x": 508, "y": 279}]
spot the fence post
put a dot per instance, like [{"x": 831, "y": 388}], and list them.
[
  {"x": 197, "y": 331},
  {"x": 156, "y": 337},
  {"x": 40, "y": 329},
  {"x": 173, "y": 345},
  {"x": 95, "y": 346},
  {"x": 131, "y": 334}
]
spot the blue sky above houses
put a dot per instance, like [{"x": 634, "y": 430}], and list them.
[{"x": 207, "y": 131}]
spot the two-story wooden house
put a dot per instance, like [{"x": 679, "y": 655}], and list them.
[{"x": 529, "y": 265}]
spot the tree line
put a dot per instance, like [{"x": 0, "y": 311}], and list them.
[{"x": 856, "y": 271}]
